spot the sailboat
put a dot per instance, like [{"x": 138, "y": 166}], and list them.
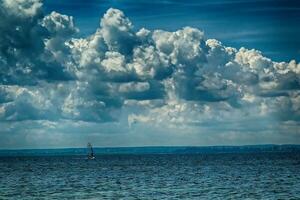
[{"x": 90, "y": 151}]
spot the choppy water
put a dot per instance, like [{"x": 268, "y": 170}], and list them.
[{"x": 212, "y": 176}]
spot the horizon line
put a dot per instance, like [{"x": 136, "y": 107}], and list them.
[{"x": 149, "y": 146}]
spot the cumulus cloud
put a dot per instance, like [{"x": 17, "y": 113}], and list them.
[
  {"x": 170, "y": 79},
  {"x": 117, "y": 31}
]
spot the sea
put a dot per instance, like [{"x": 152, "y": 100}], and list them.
[{"x": 181, "y": 175}]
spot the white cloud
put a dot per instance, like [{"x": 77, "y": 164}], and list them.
[
  {"x": 148, "y": 63},
  {"x": 117, "y": 31},
  {"x": 23, "y": 8},
  {"x": 114, "y": 62},
  {"x": 169, "y": 79}
]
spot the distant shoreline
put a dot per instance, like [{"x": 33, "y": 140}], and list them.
[{"x": 154, "y": 150}]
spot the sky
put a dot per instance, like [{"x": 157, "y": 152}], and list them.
[
  {"x": 149, "y": 73},
  {"x": 271, "y": 26}
]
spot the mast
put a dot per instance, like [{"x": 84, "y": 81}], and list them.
[{"x": 90, "y": 150}]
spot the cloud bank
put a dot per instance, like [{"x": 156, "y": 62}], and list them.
[{"x": 123, "y": 80}]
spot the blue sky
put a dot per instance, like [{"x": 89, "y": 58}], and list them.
[
  {"x": 127, "y": 73},
  {"x": 271, "y": 26}
]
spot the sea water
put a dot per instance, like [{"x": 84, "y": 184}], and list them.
[{"x": 152, "y": 176}]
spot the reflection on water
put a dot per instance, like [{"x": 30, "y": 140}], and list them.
[{"x": 221, "y": 176}]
